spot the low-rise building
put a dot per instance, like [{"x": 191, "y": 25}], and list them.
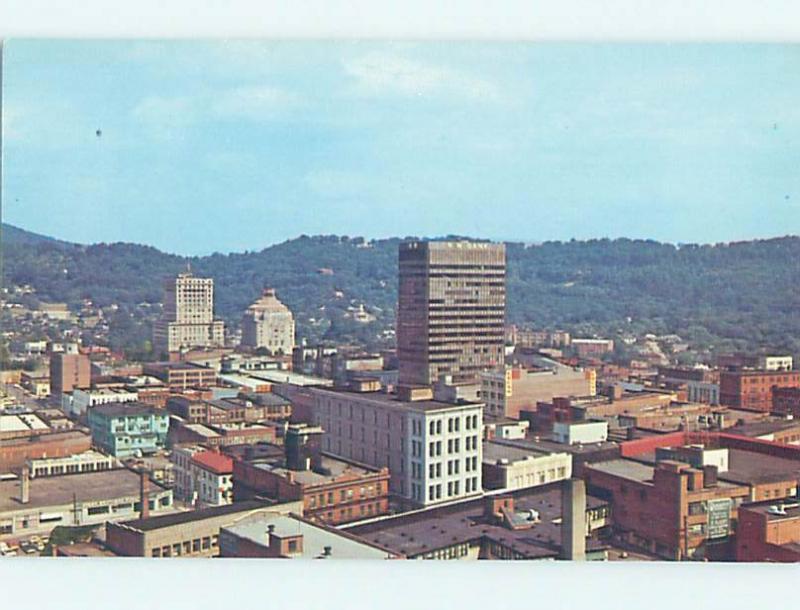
[
  {"x": 753, "y": 389},
  {"x": 78, "y": 401},
  {"x": 74, "y": 499},
  {"x": 769, "y": 531},
  {"x": 508, "y": 467},
  {"x": 182, "y": 375},
  {"x": 203, "y": 477},
  {"x": 573, "y": 433},
  {"x": 186, "y": 534},
  {"x": 87, "y": 461},
  {"x": 512, "y": 389},
  {"x": 786, "y": 401},
  {"x": 333, "y": 490},
  {"x": 128, "y": 429},
  {"x": 15, "y": 452},
  {"x": 556, "y": 521},
  {"x": 293, "y": 537}
]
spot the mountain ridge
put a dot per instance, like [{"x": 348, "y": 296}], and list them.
[{"x": 743, "y": 293}]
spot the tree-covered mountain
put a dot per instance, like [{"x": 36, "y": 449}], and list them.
[{"x": 738, "y": 295}]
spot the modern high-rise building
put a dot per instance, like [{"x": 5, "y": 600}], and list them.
[
  {"x": 268, "y": 323},
  {"x": 451, "y": 310},
  {"x": 188, "y": 317}
]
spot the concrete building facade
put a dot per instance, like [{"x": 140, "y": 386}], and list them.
[
  {"x": 510, "y": 390},
  {"x": 432, "y": 449},
  {"x": 188, "y": 320},
  {"x": 269, "y": 324},
  {"x": 451, "y": 310},
  {"x": 128, "y": 429}
]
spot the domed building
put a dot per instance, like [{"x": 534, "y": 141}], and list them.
[{"x": 268, "y": 323}]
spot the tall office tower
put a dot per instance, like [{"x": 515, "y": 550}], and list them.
[
  {"x": 188, "y": 317},
  {"x": 268, "y": 323},
  {"x": 451, "y": 310}
]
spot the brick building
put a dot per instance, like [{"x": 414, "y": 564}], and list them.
[
  {"x": 332, "y": 490},
  {"x": 69, "y": 371},
  {"x": 769, "y": 531},
  {"x": 15, "y": 452},
  {"x": 753, "y": 389},
  {"x": 180, "y": 376},
  {"x": 786, "y": 401}
]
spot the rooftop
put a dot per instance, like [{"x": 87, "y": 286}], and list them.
[
  {"x": 214, "y": 461},
  {"x": 626, "y": 469},
  {"x": 391, "y": 400},
  {"x": 191, "y": 516},
  {"x": 428, "y": 530},
  {"x": 493, "y": 451},
  {"x": 82, "y": 487},
  {"x": 749, "y": 467},
  {"x": 126, "y": 409},
  {"x": 335, "y": 469},
  {"x": 315, "y": 538},
  {"x": 545, "y": 444},
  {"x": 763, "y": 428},
  {"x": 790, "y": 506}
]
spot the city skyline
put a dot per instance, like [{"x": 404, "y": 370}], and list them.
[{"x": 391, "y": 140}]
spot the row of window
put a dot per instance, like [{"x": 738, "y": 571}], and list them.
[{"x": 187, "y": 547}]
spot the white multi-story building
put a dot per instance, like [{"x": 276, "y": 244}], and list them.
[
  {"x": 78, "y": 401},
  {"x": 573, "y": 433},
  {"x": 268, "y": 323},
  {"x": 203, "y": 477},
  {"x": 509, "y": 467},
  {"x": 432, "y": 449},
  {"x": 188, "y": 317}
]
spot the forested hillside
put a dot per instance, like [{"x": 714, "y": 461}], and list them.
[{"x": 740, "y": 295}]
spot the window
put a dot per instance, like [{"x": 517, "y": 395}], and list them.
[
  {"x": 196, "y": 545},
  {"x": 293, "y": 546},
  {"x": 155, "y": 552}
]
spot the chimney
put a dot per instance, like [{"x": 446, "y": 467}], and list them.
[
  {"x": 144, "y": 495},
  {"x": 25, "y": 485},
  {"x": 327, "y": 551},
  {"x": 573, "y": 520},
  {"x": 709, "y": 475}
]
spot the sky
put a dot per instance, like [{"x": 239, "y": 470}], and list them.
[{"x": 213, "y": 146}]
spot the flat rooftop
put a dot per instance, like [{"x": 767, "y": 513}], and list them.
[
  {"x": 84, "y": 487},
  {"x": 424, "y": 531},
  {"x": 337, "y": 468},
  {"x": 315, "y": 539},
  {"x": 127, "y": 409},
  {"x": 791, "y": 507},
  {"x": 191, "y": 516},
  {"x": 626, "y": 469},
  {"x": 545, "y": 444},
  {"x": 289, "y": 377},
  {"x": 763, "y": 428},
  {"x": 391, "y": 400},
  {"x": 749, "y": 467},
  {"x": 492, "y": 452}
]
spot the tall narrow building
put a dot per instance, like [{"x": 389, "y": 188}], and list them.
[
  {"x": 188, "y": 317},
  {"x": 268, "y": 324},
  {"x": 451, "y": 310}
]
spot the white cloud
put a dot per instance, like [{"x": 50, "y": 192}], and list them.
[{"x": 378, "y": 73}]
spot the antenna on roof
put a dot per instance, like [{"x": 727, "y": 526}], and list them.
[{"x": 188, "y": 266}]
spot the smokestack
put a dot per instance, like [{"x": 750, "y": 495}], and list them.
[
  {"x": 573, "y": 520},
  {"x": 144, "y": 493},
  {"x": 25, "y": 485}
]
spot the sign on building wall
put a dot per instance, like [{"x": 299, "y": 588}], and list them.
[{"x": 719, "y": 518}]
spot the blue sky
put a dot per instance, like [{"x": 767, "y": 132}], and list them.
[{"x": 214, "y": 146}]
